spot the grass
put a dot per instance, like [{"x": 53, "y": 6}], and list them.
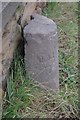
[{"x": 25, "y": 98}]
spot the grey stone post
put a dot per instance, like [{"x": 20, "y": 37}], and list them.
[{"x": 41, "y": 51}]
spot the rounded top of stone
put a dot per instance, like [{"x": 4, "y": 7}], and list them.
[{"x": 40, "y": 25}]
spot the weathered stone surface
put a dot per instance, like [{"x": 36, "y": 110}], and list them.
[
  {"x": 10, "y": 40},
  {"x": 38, "y": 10},
  {"x": 41, "y": 52},
  {"x": 28, "y": 11},
  {"x": 8, "y": 9},
  {"x": 40, "y": 6}
]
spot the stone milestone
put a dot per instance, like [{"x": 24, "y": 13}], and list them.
[{"x": 41, "y": 51}]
